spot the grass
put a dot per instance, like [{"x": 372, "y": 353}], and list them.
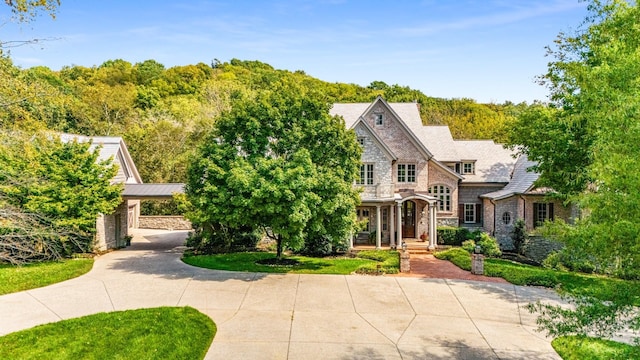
[
  {"x": 158, "y": 333},
  {"x": 19, "y": 278},
  {"x": 600, "y": 287},
  {"x": 365, "y": 262},
  {"x": 586, "y": 348}
]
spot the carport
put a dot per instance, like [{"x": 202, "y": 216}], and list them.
[{"x": 134, "y": 193}]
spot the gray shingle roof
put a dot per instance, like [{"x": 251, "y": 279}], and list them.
[
  {"x": 521, "y": 180},
  {"x": 438, "y": 139},
  {"x": 152, "y": 190},
  {"x": 350, "y": 112},
  {"x": 493, "y": 163},
  {"x": 110, "y": 146}
]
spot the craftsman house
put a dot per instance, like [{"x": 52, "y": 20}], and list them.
[{"x": 416, "y": 177}]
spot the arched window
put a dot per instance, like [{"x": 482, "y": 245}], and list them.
[
  {"x": 444, "y": 194},
  {"x": 506, "y": 218}
]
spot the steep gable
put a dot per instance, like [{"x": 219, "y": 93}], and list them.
[{"x": 111, "y": 147}]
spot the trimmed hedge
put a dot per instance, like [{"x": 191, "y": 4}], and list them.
[{"x": 448, "y": 235}]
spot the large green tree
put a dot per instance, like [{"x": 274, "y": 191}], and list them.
[
  {"x": 278, "y": 161},
  {"x": 586, "y": 143},
  {"x": 63, "y": 184}
]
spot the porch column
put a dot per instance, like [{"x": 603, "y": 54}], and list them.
[
  {"x": 378, "y": 228},
  {"x": 433, "y": 233},
  {"x": 392, "y": 228},
  {"x": 351, "y": 240},
  {"x": 399, "y": 222}
]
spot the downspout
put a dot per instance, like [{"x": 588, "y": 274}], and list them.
[{"x": 494, "y": 217}]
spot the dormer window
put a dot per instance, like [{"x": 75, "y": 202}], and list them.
[
  {"x": 379, "y": 119},
  {"x": 468, "y": 168}
]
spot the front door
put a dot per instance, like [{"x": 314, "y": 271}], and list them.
[{"x": 409, "y": 219}]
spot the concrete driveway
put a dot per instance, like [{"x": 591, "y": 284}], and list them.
[{"x": 265, "y": 316}]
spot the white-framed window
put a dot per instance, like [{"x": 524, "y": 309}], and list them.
[
  {"x": 469, "y": 213},
  {"x": 361, "y": 140},
  {"x": 468, "y": 168},
  {"x": 366, "y": 175},
  {"x": 407, "y": 173},
  {"x": 443, "y": 193},
  {"x": 379, "y": 119},
  {"x": 385, "y": 219}
]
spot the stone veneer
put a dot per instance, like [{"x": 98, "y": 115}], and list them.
[
  {"x": 538, "y": 248},
  {"x": 164, "y": 222}
]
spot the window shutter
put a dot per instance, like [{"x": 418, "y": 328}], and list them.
[
  {"x": 460, "y": 214},
  {"x": 479, "y": 213},
  {"x": 550, "y": 211}
]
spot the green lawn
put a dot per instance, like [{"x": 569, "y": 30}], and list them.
[
  {"x": 600, "y": 287},
  {"x": 366, "y": 262},
  {"x": 157, "y": 333},
  {"x": 584, "y": 348},
  {"x": 19, "y": 278}
]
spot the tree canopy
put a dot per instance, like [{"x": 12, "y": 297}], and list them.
[
  {"x": 51, "y": 185},
  {"x": 587, "y": 142},
  {"x": 278, "y": 161}
]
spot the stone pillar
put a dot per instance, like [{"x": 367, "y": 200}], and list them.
[
  {"x": 405, "y": 261},
  {"x": 378, "y": 228},
  {"x": 399, "y": 222},
  {"x": 433, "y": 223},
  {"x": 477, "y": 264},
  {"x": 392, "y": 228}
]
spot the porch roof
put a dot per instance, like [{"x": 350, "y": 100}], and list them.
[{"x": 152, "y": 191}]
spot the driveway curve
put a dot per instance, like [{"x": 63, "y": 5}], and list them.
[{"x": 272, "y": 316}]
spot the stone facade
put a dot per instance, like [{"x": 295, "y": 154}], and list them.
[
  {"x": 438, "y": 176},
  {"x": 164, "y": 222},
  {"x": 111, "y": 229},
  {"x": 538, "y": 248},
  {"x": 373, "y": 153},
  {"x": 505, "y": 216}
]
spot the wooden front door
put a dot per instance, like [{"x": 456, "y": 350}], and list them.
[{"x": 409, "y": 219}]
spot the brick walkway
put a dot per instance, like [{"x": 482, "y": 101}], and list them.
[{"x": 427, "y": 266}]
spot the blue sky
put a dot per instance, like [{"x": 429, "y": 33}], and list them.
[{"x": 488, "y": 50}]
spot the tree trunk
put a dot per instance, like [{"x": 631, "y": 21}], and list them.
[{"x": 279, "y": 247}]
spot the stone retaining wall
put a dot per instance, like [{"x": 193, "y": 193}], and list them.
[
  {"x": 164, "y": 222},
  {"x": 538, "y": 248}
]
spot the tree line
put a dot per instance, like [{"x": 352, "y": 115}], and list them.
[{"x": 165, "y": 113}]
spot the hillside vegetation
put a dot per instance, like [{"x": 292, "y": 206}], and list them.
[{"x": 164, "y": 113}]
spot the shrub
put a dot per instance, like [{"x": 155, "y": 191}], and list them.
[
  {"x": 563, "y": 260},
  {"x": 223, "y": 239},
  {"x": 448, "y": 235},
  {"x": 519, "y": 235},
  {"x": 317, "y": 246},
  {"x": 488, "y": 245}
]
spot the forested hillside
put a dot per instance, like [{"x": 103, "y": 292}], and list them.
[{"x": 164, "y": 113}]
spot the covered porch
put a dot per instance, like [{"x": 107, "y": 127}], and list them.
[{"x": 407, "y": 217}]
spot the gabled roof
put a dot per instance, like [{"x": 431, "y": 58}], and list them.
[
  {"x": 111, "y": 147},
  {"x": 377, "y": 139},
  {"x": 493, "y": 163},
  {"x": 520, "y": 183},
  {"x": 407, "y": 114}
]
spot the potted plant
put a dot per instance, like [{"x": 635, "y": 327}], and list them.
[{"x": 423, "y": 237}]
